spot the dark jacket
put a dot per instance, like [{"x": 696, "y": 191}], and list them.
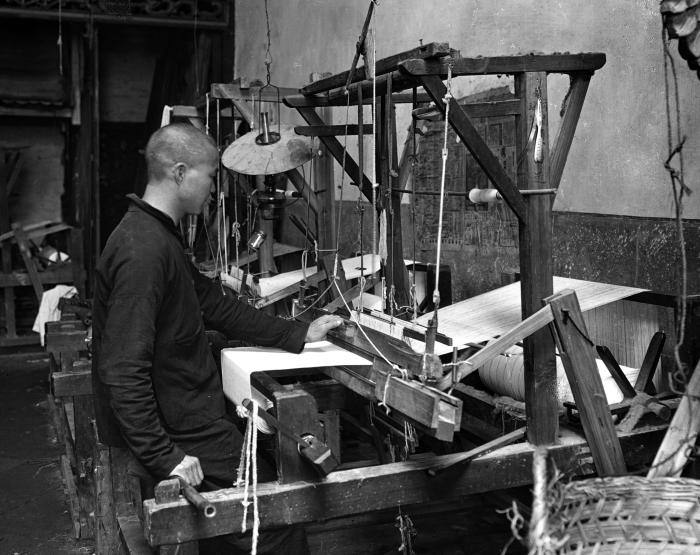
[{"x": 153, "y": 372}]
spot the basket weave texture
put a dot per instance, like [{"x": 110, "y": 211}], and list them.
[{"x": 629, "y": 514}]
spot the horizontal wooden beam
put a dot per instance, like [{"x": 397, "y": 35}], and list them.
[
  {"x": 500, "y": 108},
  {"x": 232, "y": 91},
  {"x": 323, "y": 101},
  {"x": 332, "y": 130},
  {"x": 385, "y": 65},
  {"x": 361, "y": 490},
  {"x": 61, "y": 274},
  {"x": 70, "y": 384},
  {"x": 499, "y": 65},
  {"x": 67, "y": 16}
]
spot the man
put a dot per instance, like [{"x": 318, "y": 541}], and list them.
[{"x": 158, "y": 387}]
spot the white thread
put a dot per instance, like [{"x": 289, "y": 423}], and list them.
[
  {"x": 254, "y": 453},
  {"x": 446, "y": 100},
  {"x": 206, "y": 110},
  {"x": 250, "y": 449}
]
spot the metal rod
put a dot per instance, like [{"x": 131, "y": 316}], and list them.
[{"x": 197, "y": 499}]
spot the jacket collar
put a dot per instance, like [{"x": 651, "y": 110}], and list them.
[{"x": 157, "y": 214}]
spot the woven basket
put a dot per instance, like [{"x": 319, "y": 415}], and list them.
[{"x": 629, "y": 514}]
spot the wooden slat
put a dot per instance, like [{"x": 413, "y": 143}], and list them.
[
  {"x": 578, "y": 358},
  {"x": 498, "y": 65},
  {"x": 651, "y": 360},
  {"x": 481, "y": 450},
  {"x": 23, "y": 244},
  {"x": 477, "y": 146},
  {"x": 232, "y": 91},
  {"x": 385, "y": 65},
  {"x": 530, "y": 325},
  {"x": 567, "y": 127},
  {"x": 331, "y": 130},
  {"x": 131, "y": 535},
  {"x": 615, "y": 371},
  {"x": 62, "y": 273},
  {"x": 361, "y": 490},
  {"x": 679, "y": 441}
]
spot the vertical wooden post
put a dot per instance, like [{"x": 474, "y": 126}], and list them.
[
  {"x": 398, "y": 271},
  {"x": 536, "y": 261},
  {"x": 298, "y": 411},
  {"x": 576, "y": 351},
  {"x": 323, "y": 180}
]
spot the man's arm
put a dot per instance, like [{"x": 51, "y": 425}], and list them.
[
  {"x": 241, "y": 321},
  {"x": 126, "y": 358}
]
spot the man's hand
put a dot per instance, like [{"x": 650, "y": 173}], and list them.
[
  {"x": 189, "y": 470},
  {"x": 320, "y": 326}
]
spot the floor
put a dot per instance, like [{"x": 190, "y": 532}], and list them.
[{"x": 33, "y": 514}]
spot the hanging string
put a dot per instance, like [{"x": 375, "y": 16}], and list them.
[
  {"x": 414, "y": 300},
  {"x": 447, "y": 99},
  {"x": 375, "y": 185},
  {"x": 342, "y": 189},
  {"x": 679, "y": 190}
]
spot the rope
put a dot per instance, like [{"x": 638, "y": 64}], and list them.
[
  {"x": 375, "y": 185},
  {"x": 249, "y": 469},
  {"x": 414, "y": 300},
  {"x": 446, "y": 99}
]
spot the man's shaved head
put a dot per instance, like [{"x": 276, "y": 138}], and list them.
[{"x": 177, "y": 143}]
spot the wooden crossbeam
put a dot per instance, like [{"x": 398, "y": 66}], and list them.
[
  {"x": 331, "y": 130},
  {"x": 385, "y": 65},
  {"x": 322, "y": 101},
  {"x": 476, "y": 145},
  {"x": 232, "y": 91},
  {"x": 495, "y": 109},
  {"x": 361, "y": 490},
  {"x": 499, "y": 65},
  {"x": 336, "y": 149},
  {"x": 567, "y": 127}
]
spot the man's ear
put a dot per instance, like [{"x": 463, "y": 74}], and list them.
[{"x": 179, "y": 171}]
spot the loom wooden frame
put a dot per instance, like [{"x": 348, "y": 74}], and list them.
[{"x": 350, "y": 492}]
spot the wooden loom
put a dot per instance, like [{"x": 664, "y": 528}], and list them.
[{"x": 299, "y": 495}]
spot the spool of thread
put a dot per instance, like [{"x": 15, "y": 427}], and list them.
[
  {"x": 478, "y": 196},
  {"x": 257, "y": 239},
  {"x": 505, "y": 375}
]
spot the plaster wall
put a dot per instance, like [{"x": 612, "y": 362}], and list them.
[{"x": 615, "y": 165}]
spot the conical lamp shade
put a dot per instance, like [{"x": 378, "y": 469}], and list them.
[{"x": 245, "y": 156}]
